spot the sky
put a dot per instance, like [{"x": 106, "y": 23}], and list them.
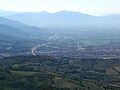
[{"x": 92, "y": 7}]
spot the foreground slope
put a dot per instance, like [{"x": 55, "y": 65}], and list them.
[{"x": 48, "y": 73}]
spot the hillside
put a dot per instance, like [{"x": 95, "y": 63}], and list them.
[
  {"x": 48, "y": 73},
  {"x": 11, "y": 31},
  {"x": 18, "y": 29}
]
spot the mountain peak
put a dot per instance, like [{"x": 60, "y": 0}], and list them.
[
  {"x": 65, "y": 11},
  {"x": 73, "y": 13}
]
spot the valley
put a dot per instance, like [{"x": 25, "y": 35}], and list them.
[
  {"x": 61, "y": 55},
  {"x": 62, "y": 45}
]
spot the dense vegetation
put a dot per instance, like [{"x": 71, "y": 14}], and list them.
[{"x": 48, "y": 73}]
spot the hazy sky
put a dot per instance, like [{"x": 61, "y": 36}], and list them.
[{"x": 94, "y": 7}]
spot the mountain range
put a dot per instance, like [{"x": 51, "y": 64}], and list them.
[
  {"x": 38, "y": 24},
  {"x": 65, "y": 19}
]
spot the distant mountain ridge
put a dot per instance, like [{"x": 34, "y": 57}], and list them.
[
  {"x": 24, "y": 24},
  {"x": 45, "y": 19},
  {"x": 65, "y": 19}
]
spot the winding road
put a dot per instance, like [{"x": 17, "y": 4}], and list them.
[{"x": 41, "y": 45}]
